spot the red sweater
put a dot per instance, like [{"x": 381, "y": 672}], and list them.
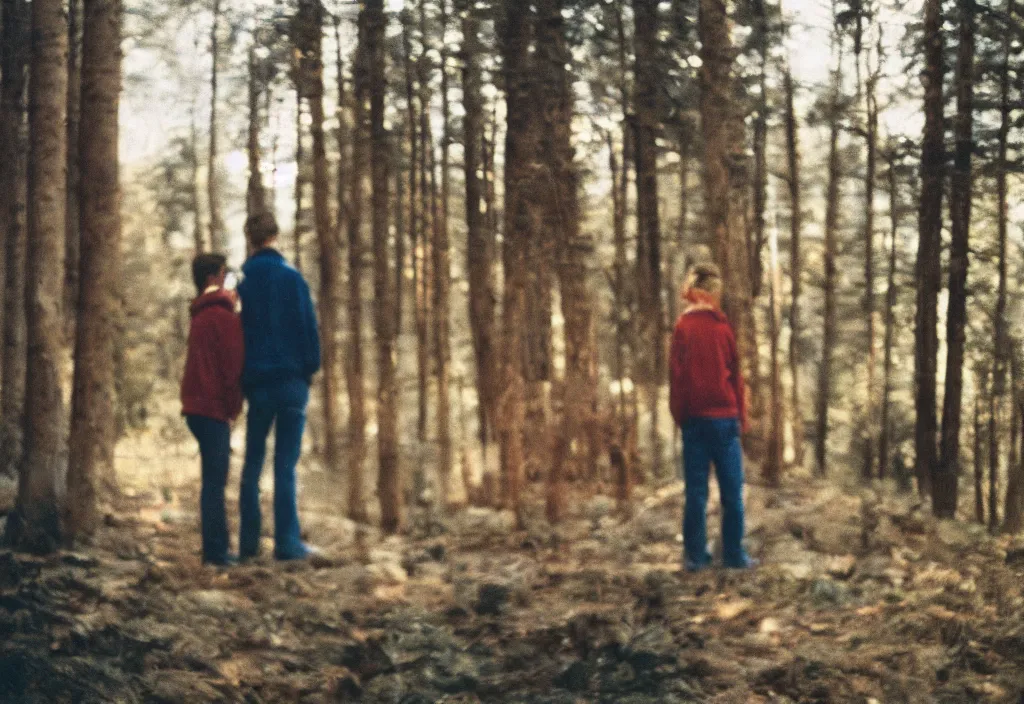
[
  {"x": 706, "y": 381},
  {"x": 212, "y": 385}
]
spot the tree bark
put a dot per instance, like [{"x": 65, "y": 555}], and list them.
[
  {"x": 354, "y": 375},
  {"x": 442, "y": 282},
  {"x": 520, "y": 215},
  {"x": 428, "y": 221},
  {"x": 1001, "y": 342},
  {"x": 300, "y": 183},
  {"x": 944, "y": 486},
  {"x": 217, "y": 239},
  {"x": 795, "y": 265},
  {"x": 198, "y": 235},
  {"x": 35, "y": 525},
  {"x": 14, "y": 53},
  {"x": 828, "y": 337},
  {"x": 93, "y": 415},
  {"x": 891, "y": 294},
  {"x": 479, "y": 246},
  {"x": 572, "y": 246},
  {"x": 979, "y": 464},
  {"x": 309, "y": 40},
  {"x": 389, "y": 484},
  {"x": 650, "y": 310},
  {"x": 870, "y": 179},
  {"x": 255, "y": 197},
  {"x": 1013, "y": 512},
  {"x": 929, "y": 273},
  {"x": 73, "y": 234}
]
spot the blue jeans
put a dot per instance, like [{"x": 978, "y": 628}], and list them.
[
  {"x": 283, "y": 403},
  {"x": 707, "y": 440},
  {"x": 214, "y": 438}
]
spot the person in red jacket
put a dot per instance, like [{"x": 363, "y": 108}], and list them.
[
  {"x": 709, "y": 405},
  {"x": 211, "y": 394}
]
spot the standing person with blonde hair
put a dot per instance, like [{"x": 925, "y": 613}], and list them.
[{"x": 708, "y": 404}]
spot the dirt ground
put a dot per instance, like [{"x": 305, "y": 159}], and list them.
[{"x": 860, "y": 598}]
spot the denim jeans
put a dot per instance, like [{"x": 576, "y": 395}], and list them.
[
  {"x": 214, "y": 438},
  {"x": 706, "y": 441},
  {"x": 283, "y": 404}
]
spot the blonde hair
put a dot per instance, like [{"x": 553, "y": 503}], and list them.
[{"x": 704, "y": 277}]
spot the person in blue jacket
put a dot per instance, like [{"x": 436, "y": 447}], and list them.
[{"x": 282, "y": 347}]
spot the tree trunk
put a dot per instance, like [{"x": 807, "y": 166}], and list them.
[
  {"x": 217, "y": 239},
  {"x": 520, "y": 216},
  {"x": 870, "y": 178},
  {"x": 300, "y": 182},
  {"x": 198, "y": 236},
  {"x": 1001, "y": 342},
  {"x": 424, "y": 295},
  {"x": 73, "y": 234},
  {"x": 93, "y": 415},
  {"x": 389, "y": 484},
  {"x": 828, "y": 337},
  {"x": 1013, "y": 518},
  {"x": 944, "y": 486},
  {"x": 309, "y": 41},
  {"x": 479, "y": 247},
  {"x": 413, "y": 175},
  {"x": 572, "y": 246},
  {"x": 255, "y": 197},
  {"x": 724, "y": 168},
  {"x": 35, "y": 524},
  {"x": 650, "y": 312},
  {"x": 354, "y": 213},
  {"x": 929, "y": 273},
  {"x": 795, "y": 265},
  {"x": 890, "y": 328},
  {"x": 442, "y": 282},
  {"x": 979, "y": 464},
  {"x": 14, "y": 53}
]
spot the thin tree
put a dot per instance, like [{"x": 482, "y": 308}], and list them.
[
  {"x": 35, "y": 524},
  {"x": 73, "y": 237},
  {"x": 928, "y": 270},
  {"x": 891, "y": 294},
  {"x": 309, "y": 41},
  {"x": 520, "y": 214},
  {"x": 870, "y": 180},
  {"x": 217, "y": 239},
  {"x": 255, "y": 194},
  {"x": 828, "y": 337},
  {"x": 442, "y": 279},
  {"x": 14, "y": 54},
  {"x": 979, "y": 461},
  {"x": 944, "y": 485},
  {"x": 795, "y": 262},
  {"x": 389, "y": 486},
  {"x": 573, "y": 247},
  {"x": 479, "y": 249},
  {"x": 354, "y": 375},
  {"x": 650, "y": 311},
  {"x": 1001, "y": 342},
  {"x": 93, "y": 415}
]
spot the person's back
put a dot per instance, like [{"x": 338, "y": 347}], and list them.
[
  {"x": 282, "y": 355},
  {"x": 279, "y": 322},
  {"x": 707, "y": 402},
  {"x": 211, "y": 395}
]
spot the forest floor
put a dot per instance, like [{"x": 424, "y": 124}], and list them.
[{"x": 860, "y": 598}]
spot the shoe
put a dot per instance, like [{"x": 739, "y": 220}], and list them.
[
  {"x": 228, "y": 560},
  {"x": 748, "y": 563},
  {"x": 304, "y": 553},
  {"x": 696, "y": 565}
]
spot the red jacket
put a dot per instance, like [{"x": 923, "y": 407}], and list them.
[
  {"x": 212, "y": 385},
  {"x": 706, "y": 380}
]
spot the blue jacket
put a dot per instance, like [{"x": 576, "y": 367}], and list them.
[{"x": 278, "y": 321}]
